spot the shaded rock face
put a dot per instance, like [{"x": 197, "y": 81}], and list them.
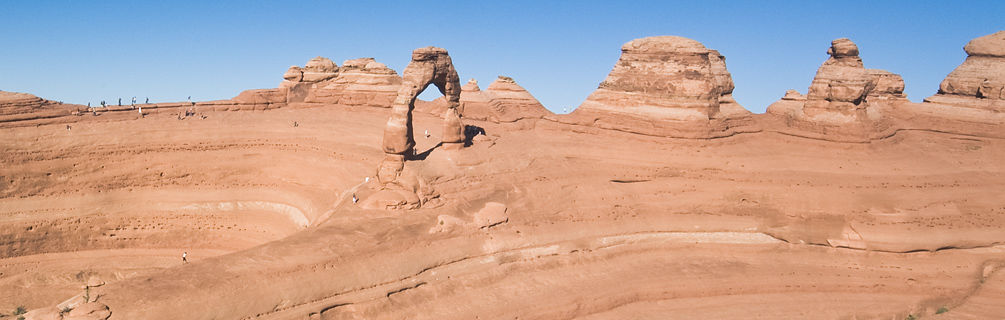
[
  {"x": 843, "y": 90},
  {"x": 429, "y": 65},
  {"x": 666, "y": 78},
  {"x": 981, "y": 76}
]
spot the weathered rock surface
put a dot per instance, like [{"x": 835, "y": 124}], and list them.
[
  {"x": 319, "y": 69},
  {"x": 16, "y": 106},
  {"x": 360, "y": 82},
  {"x": 980, "y": 81},
  {"x": 503, "y": 101},
  {"x": 294, "y": 74},
  {"x": 429, "y": 65},
  {"x": 845, "y": 101},
  {"x": 667, "y": 86},
  {"x": 89, "y": 311},
  {"x": 660, "y": 78}
]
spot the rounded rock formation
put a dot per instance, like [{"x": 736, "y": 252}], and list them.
[
  {"x": 319, "y": 69},
  {"x": 982, "y": 74},
  {"x": 665, "y": 86}
]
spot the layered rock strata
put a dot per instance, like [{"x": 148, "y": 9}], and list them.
[
  {"x": 502, "y": 101},
  {"x": 845, "y": 101},
  {"x": 980, "y": 81},
  {"x": 16, "y": 106},
  {"x": 665, "y": 86},
  {"x": 360, "y": 82}
]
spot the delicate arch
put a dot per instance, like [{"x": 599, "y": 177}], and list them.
[{"x": 429, "y": 65}]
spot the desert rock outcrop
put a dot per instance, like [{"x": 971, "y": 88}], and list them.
[
  {"x": 667, "y": 86},
  {"x": 980, "y": 80},
  {"x": 845, "y": 101},
  {"x": 503, "y": 101},
  {"x": 319, "y": 69},
  {"x": 360, "y": 82},
  {"x": 16, "y": 106},
  {"x": 660, "y": 78}
]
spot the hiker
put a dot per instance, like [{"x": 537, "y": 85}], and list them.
[
  {"x": 427, "y": 133},
  {"x": 141, "y": 111},
  {"x": 354, "y": 199},
  {"x": 295, "y": 124},
  {"x": 102, "y": 103},
  {"x": 67, "y": 128},
  {"x": 148, "y": 100},
  {"x": 134, "y": 101},
  {"x": 367, "y": 179},
  {"x": 184, "y": 257},
  {"x": 120, "y": 102}
]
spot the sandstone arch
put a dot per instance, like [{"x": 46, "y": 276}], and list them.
[{"x": 429, "y": 65}]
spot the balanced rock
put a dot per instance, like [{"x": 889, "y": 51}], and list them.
[
  {"x": 980, "y": 80},
  {"x": 360, "y": 82}
]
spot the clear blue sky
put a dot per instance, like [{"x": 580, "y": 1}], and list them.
[{"x": 82, "y": 51}]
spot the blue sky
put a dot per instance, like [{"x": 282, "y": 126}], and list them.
[{"x": 80, "y": 51}]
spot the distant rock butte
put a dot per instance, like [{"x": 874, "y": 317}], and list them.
[
  {"x": 360, "y": 82},
  {"x": 668, "y": 86},
  {"x": 502, "y": 101},
  {"x": 671, "y": 78},
  {"x": 980, "y": 81}
]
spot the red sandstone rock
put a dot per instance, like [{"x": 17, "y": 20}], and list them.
[
  {"x": 362, "y": 81},
  {"x": 429, "y": 65},
  {"x": 503, "y": 101},
  {"x": 980, "y": 80},
  {"x": 319, "y": 69},
  {"x": 843, "y": 91},
  {"x": 660, "y": 78},
  {"x": 665, "y": 86}
]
